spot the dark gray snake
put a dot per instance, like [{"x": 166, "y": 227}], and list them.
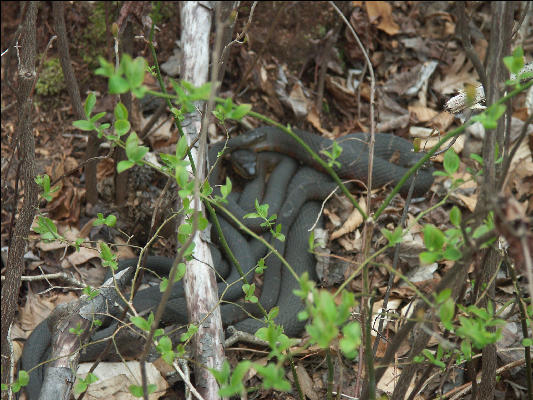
[{"x": 392, "y": 157}]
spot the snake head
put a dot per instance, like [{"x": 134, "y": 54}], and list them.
[{"x": 244, "y": 163}]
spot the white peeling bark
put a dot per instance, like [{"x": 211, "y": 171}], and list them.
[{"x": 199, "y": 281}]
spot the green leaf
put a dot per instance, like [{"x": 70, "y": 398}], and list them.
[
  {"x": 118, "y": 85},
  {"x": 226, "y": 189},
  {"x": 192, "y": 329},
  {"x": 433, "y": 238},
  {"x": 110, "y": 220},
  {"x": 137, "y": 391},
  {"x": 202, "y": 222},
  {"x": 164, "y": 344},
  {"x": 124, "y": 165},
  {"x": 515, "y": 63},
  {"x": 466, "y": 349},
  {"x": 142, "y": 323},
  {"x": 106, "y": 68},
  {"x": 260, "y": 266},
  {"x": 107, "y": 256},
  {"x": 427, "y": 257},
  {"x": 446, "y": 313},
  {"x": 223, "y": 374},
  {"x": 135, "y": 72},
  {"x": 121, "y": 112},
  {"x": 249, "y": 291},
  {"x": 181, "y": 148},
  {"x": 47, "y": 229},
  {"x": 451, "y": 161},
  {"x": 452, "y": 253},
  {"x": 184, "y": 231},
  {"x": 90, "y": 102},
  {"x": 443, "y": 296},
  {"x": 23, "y": 378},
  {"x": 122, "y": 126},
  {"x": 97, "y": 117},
  {"x": 455, "y": 216},
  {"x": 84, "y": 125},
  {"x": 232, "y": 386},
  {"x": 273, "y": 377},
  {"x": 351, "y": 340},
  {"x": 394, "y": 237},
  {"x": 240, "y": 111},
  {"x": 134, "y": 152},
  {"x": 477, "y": 157}
]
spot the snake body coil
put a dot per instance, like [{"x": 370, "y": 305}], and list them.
[{"x": 291, "y": 199}]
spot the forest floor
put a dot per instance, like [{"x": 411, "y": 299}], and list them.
[{"x": 299, "y": 65}]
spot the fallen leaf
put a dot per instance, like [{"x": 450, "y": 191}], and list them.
[
  {"x": 432, "y": 141},
  {"x": 353, "y": 222},
  {"x": 115, "y": 379},
  {"x": 82, "y": 256},
  {"x": 421, "y": 113},
  {"x": 383, "y": 11},
  {"x": 314, "y": 118},
  {"x": 306, "y": 383},
  {"x": 298, "y": 101},
  {"x": 36, "y": 309}
]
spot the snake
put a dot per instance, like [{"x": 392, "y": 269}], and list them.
[{"x": 293, "y": 198}]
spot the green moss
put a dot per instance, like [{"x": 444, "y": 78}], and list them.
[
  {"x": 51, "y": 81},
  {"x": 93, "y": 35}
]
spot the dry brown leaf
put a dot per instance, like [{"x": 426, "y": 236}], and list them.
[
  {"x": 82, "y": 256},
  {"x": 36, "y": 309},
  {"x": 383, "y": 10},
  {"x": 354, "y": 220},
  {"x": 388, "y": 380},
  {"x": 347, "y": 98},
  {"x": 468, "y": 186},
  {"x": 105, "y": 168},
  {"x": 469, "y": 201},
  {"x": 421, "y": 113},
  {"x": 522, "y": 162},
  {"x": 451, "y": 83},
  {"x": 351, "y": 245},
  {"x": 115, "y": 379},
  {"x": 306, "y": 383},
  {"x": 298, "y": 101},
  {"x": 442, "y": 121},
  {"x": 123, "y": 251},
  {"x": 432, "y": 141},
  {"x": 314, "y": 118}
]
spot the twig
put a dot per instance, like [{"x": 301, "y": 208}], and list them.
[
  {"x": 394, "y": 265},
  {"x": 281, "y": 7},
  {"x": 369, "y": 223},
  {"x": 239, "y": 35},
  {"x": 187, "y": 381},
  {"x": 153, "y": 119},
  {"x": 461, "y": 391},
  {"x": 240, "y": 336},
  {"x": 59, "y": 275},
  {"x": 80, "y": 166},
  {"x": 41, "y": 62},
  {"x": 11, "y": 361}
]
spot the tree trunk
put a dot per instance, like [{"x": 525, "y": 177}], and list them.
[{"x": 26, "y": 149}]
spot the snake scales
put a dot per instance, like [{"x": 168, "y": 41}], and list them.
[{"x": 392, "y": 157}]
